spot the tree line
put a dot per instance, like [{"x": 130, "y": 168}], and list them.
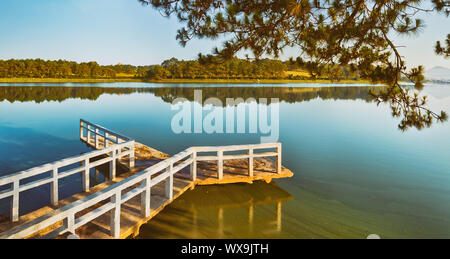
[
  {"x": 38, "y": 68},
  {"x": 173, "y": 68},
  {"x": 235, "y": 68},
  {"x": 231, "y": 69}
]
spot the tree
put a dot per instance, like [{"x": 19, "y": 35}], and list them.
[
  {"x": 157, "y": 72},
  {"x": 443, "y": 51},
  {"x": 354, "y": 33}
]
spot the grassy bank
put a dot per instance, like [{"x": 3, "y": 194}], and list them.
[
  {"x": 255, "y": 81},
  {"x": 66, "y": 80},
  {"x": 220, "y": 81}
]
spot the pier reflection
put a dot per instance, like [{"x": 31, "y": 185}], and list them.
[{"x": 222, "y": 211}]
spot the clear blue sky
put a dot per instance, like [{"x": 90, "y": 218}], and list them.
[{"x": 113, "y": 31}]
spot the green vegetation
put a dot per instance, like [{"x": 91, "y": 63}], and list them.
[
  {"x": 172, "y": 70},
  {"x": 256, "y": 81},
  {"x": 68, "y": 80},
  {"x": 61, "y": 69},
  {"x": 231, "y": 69},
  {"x": 443, "y": 51},
  {"x": 236, "y": 68},
  {"x": 328, "y": 34}
]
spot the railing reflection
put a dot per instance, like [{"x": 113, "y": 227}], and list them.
[{"x": 231, "y": 211}]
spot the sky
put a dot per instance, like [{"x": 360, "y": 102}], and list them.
[{"x": 124, "y": 31}]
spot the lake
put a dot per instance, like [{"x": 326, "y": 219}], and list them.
[{"x": 355, "y": 172}]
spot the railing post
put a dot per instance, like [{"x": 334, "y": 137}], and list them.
[
  {"x": 15, "y": 202},
  {"x": 118, "y": 142},
  {"x": 96, "y": 138},
  {"x": 86, "y": 175},
  {"x": 68, "y": 223},
  {"x": 193, "y": 172},
  {"x": 220, "y": 164},
  {"x": 54, "y": 187},
  {"x": 169, "y": 183},
  {"x": 88, "y": 136},
  {"x": 115, "y": 214},
  {"x": 112, "y": 166},
  {"x": 145, "y": 198},
  {"x": 279, "y": 158},
  {"x": 81, "y": 129},
  {"x": 132, "y": 155},
  {"x": 250, "y": 162},
  {"x": 106, "y": 140}
]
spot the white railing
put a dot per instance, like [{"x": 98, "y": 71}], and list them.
[
  {"x": 16, "y": 181},
  {"x": 97, "y": 133},
  {"x": 221, "y": 155},
  {"x": 140, "y": 183}
]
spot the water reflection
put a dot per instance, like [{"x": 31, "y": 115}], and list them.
[
  {"x": 231, "y": 211},
  {"x": 355, "y": 172},
  {"x": 168, "y": 94}
]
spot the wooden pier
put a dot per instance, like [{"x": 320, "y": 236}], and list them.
[{"x": 141, "y": 181}]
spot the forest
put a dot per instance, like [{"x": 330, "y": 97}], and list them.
[
  {"x": 38, "y": 68},
  {"x": 173, "y": 68},
  {"x": 234, "y": 68}
]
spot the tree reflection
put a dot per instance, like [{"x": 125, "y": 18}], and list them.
[
  {"x": 40, "y": 94},
  {"x": 411, "y": 115}
]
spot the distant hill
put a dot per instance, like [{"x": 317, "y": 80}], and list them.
[{"x": 438, "y": 74}]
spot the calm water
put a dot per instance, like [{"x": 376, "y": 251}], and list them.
[{"x": 355, "y": 172}]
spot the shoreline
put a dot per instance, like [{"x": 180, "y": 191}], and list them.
[
  {"x": 181, "y": 81},
  {"x": 67, "y": 80}
]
